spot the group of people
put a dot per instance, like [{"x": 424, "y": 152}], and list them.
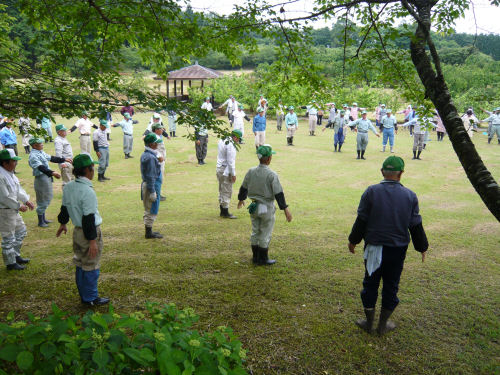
[{"x": 387, "y": 214}]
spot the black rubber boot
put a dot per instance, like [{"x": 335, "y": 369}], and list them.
[
  {"x": 335, "y": 148},
  {"x": 21, "y": 260},
  {"x": 151, "y": 234},
  {"x": 41, "y": 222},
  {"x": 45, "y": 220},
  {"x": 414, "y": 155},
  {"x": 313, "y": 133},
  {"x": 489, "y": 140},
  {"x": 104, "y": 177},
  {"x": 15, "y": 266},
  {"x": 226, "y": 215},
  {"x": 255, "y": 254},
  {"x": 340, "y": 146},
  {"x": 264, "y": 257},
  {"x": 174, "y": 135},
  {"x": 27, "y": 149},
  {"x": 107, "y": 137},
  {"x": 384, "y": 324},
  {"x": 418, "y": 155},
  {"x": 359, "y": 155},
  {"x": 99, "y": 177},
  {"x": 363, "y": 155},
  {"x": 171, "y": 134},
  {"x": 367, "y": 325},
  {"x": 126, "y": 156},
  {"x": 291, "y": 141},
  {"x": 221, "y": 210},
  {"x": 424, "y": 146},
  {"x": 288, "y": 141}
]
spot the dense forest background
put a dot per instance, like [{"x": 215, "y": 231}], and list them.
[{"x": 470, "y": 62}]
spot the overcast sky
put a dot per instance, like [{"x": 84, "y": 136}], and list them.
[{"x": 487, "y": 15}]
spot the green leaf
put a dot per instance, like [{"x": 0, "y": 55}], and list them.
[
  {"x": 135, "y": 355},
  {"x": 9, "y": 352},
  {"x": 48, "y": 349},
  {"x": 101, "y": 357},
  {"x": 147, "y": 355},
  {"x": 98, "y": 319},
  {"x": 24, "y": 360}
]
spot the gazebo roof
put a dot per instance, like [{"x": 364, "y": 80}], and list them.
[{"x": 194, "y": 72}]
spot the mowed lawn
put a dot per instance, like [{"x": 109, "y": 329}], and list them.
[{"x": 297, "y": 316}]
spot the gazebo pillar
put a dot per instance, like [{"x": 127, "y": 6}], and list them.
[
  {"x": 168, "y": 89},
  {"x": 182, "y": 87},
  {"x": 175, "y": 88}
]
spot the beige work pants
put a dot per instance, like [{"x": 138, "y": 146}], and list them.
[{"x": 81, "y": 246}]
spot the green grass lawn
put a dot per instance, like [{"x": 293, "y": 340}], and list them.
[{"x": 295, "y": 317}]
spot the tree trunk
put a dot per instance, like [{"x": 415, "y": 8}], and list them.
[{"x": 437, "y": 90}]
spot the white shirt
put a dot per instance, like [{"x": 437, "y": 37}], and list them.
[
  {"x": 238, "y": 119},
  {"x": 11, "y": 192},
  {"x": 63, "y": 148},
  {"x": 207, "y": 106},
  {"x": 226, "y": 157},
  {"x": 231, "y": 106},
  {"x": 84, "y": 125}
]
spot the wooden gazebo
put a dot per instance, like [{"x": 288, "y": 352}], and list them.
[{"x": 190, "y": 73}]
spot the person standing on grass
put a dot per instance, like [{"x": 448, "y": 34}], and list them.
[
  {"x": 226, "y": 171},
  {"x": 47, "y": 126},
  {"x": 13, "y": 199},
  {"x": 238, "y": 124},
  {"x": 127, "y": 125},
  {"x": 259, "y": 127},
  {"x": 262, "y": 186},
  {"x": 419, "y": 132},
  {"x": 379, "y": 115},
  {"x": 280, "y": 115},
  {"x": 440, "y": 129},
  {"x": 8, "y": 137},
  {"x": 339, "y": 126},
  {"x": 470, "y": 122},
  {"x": 312, "y": 112},
  {"x": 65, "y": 151},
  {"x": 24, "y": 128},
  {"x": 389, "y": 126},
  {"x": 231, "y": 106},
  {"x": 494, "y": 124},
  {"x": 387, "y": 214},
  {"x": 201, "y": 135},
  {"x": 362, "y": 126},
  {"x": 79, "y": 203},
  {"x": 84, "y": 126},
  {"x": 151, "y": 183},
  {"x": 332, "y": 114},
  {"x": 292, "y": 124},
  {"x": 172, "y": 123},
  {"x": 101, "y": 147},
  {"x": 39, "y": 162},
  {"x": 127, "y": 109},
  {"x": 161, "y": 151}
]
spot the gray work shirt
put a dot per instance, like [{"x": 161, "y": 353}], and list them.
[
  {"x": 389, "y": 122},
  {"x": 262, "y": 184},
  {"x": 389, "y": 209}
]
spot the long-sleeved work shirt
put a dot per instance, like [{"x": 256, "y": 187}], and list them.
[
  {"x": 259, "y": 123},
  {"x": 363, "y": 125},
  {"x": 150, "y": 168},
  {"x": 291, "y": 120},
  {"x": 226, "y": 157},
  {"x": 11, "y": 192}
]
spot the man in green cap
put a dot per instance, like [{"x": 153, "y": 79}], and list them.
[
  {"x": 362, "y": 126},
  {"x": 387, "y": 214},
  {"x": 84, "y": 126},
  {"x": 238, "y": 124},
  {"x": 127, "y": 125},
  {"x": 389, "y": 127},
  {"x": 151, "y": 183},
  {"x": 259, "y": 127},
  {"x": 493, "y": 124},
  {"x": 101, "y": 147},
  {"x": 201, "y": 135},
  {"x": 292, "y": 124},
  {"x": 312, "y": 111},
  {"x": 13, "y": 199},
  {"x": 79, "y": 203},
  {"x": 226, "y": 171},
  {"x": 262, "y": 186},
  {"x": 39, "y": 162},
  {"x": 64, "y": 150}
]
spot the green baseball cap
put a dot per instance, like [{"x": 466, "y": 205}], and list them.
[
  {"x": 34, "y": 140},
  {"x": 157, "y": 126},
  {"x": 237, "y": 133},
  {"x": 291, "y": 108},
  {"x": 8, "y": 154},
  {"x": 156, "y": 116},
  {"x": 103, "y": 123},
  {"x": 60, "y": 127},
  {"x": 313, "y": 101},
  {"x": 260, "y": 109},
  {"x": 393, "y": 163},
  {"x": 126, "y": 115},
  {"x": 83, "y": 160},
  {"x": 363, "y": 112},
  {"x": 85, "y": 113},
  {"x": 240, "y": 106},
  {"x": 389, "y": 110},
  {"x": 342, "y": 112},
  {"x": 344, "y": 105},
  {"x": 265, "y": 151},
  {"x": 151, "y": 138},
  {"x": 207, "y": 98}
]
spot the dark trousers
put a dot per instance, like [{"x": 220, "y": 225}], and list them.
[
  {"x": 86, "y": 282},
  {"x": 320, "y": 117},
  {"x": 389, "y": 271},
  {"x": 14, "y": 147},
  {"x": 201, "y": 149}
]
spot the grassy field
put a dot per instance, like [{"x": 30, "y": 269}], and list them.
[{"x": 297, "y": 316}]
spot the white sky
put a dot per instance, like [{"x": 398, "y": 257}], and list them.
[{"x": 487, "y": 15}]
